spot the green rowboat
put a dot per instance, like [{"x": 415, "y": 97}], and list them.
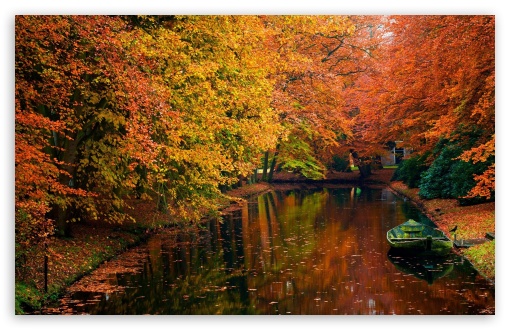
[{"x": 413, "y": 237}]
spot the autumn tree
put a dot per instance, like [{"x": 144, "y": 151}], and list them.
[
  {"x": 41, "y": 91},
  {"x": 317, "y": 58},
  {"x": 216, "y": 72},
  {"x": 432, "y": 79},
  {"x": 107, "y": 107},
  {"x": 172, "y": 108}
]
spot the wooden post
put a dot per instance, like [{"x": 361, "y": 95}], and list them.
[
  {"x": 46, "y": 273},
  {"x": 429, "y": 243},
  {"x": 46, "y": 267}
]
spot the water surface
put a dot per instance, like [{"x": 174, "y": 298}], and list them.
[{"x": 321, "y": 251}]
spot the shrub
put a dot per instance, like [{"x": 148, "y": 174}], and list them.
[
  {"x": 340, "y": 164},
  {"x": 409, "y": 171},
  {"x": 296, "y": 155},
  {"x": 449, "y": 177}
]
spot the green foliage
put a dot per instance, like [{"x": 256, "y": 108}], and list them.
[
  {"x": 340, "y": 164},
  {"x": 448, "y": 176},
  {"x": 296, "y": 155},
  {"x": 409, "y": 171}
]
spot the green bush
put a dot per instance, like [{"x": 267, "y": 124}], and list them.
[
  {"x": 409, "y": 171},
  {"x": 449, "y": 177},
  {"x": 340, "y": 164},
  {"x": 296, "y": 155}
]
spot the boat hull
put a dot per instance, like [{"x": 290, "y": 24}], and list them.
[
  {"x": 414, "y": 238},
  {"x": 437, "y": 247}
]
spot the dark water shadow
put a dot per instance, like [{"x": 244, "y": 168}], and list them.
[{"x": 428, "y": 268}]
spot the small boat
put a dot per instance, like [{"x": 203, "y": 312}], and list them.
[{"x": 415, "y": 238}]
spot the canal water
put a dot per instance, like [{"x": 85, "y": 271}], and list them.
[{"x": 320, "y": 251}]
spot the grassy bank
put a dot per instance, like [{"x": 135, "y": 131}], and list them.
[{"x": 472, "y": 221}]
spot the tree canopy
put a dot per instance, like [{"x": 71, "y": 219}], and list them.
[{"x": 172, "y": 108}]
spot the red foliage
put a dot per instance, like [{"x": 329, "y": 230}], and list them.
[{"x": 434, "y": 78}]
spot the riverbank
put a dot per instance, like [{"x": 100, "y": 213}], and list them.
[
  {"x": 90, "y": 245},
  {"x": 93, "y": 244},
  {"x": 471, "y": 222}
]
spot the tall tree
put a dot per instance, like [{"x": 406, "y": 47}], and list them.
[
  {"x": 85, "y": 95},
  {"x": 219, "y": 86},
  {"x": 317, "y": 59},
  {"x": 433, "y": 79}
]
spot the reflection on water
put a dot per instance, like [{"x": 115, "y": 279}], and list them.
[
  {"x": 426, "y": 268},
  {"x": 294, "y": 252}
]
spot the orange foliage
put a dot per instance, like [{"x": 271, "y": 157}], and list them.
[
  {"x": 433, "y": 78},
  {"x": 433, "y": 74},
  {"x": 110, "y": 106},
  {"x": 317, "y": 60}
]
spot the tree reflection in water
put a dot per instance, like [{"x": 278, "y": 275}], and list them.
[{"x": 320, "y": 251}]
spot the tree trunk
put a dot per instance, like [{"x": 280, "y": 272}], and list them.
[
  {"x": 240, "y": 179},
  {"x": 162, "y": 204},
  {"x": 61, "y": 214},
  {"x": 266, "y": 161},
  {"x": 365, "y": 170},
  {"x": 273, "y": 165}
]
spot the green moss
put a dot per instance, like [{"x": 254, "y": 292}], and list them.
[
  {"x": 26, "y": 297},
  {"x": 483, "y": 258}
]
